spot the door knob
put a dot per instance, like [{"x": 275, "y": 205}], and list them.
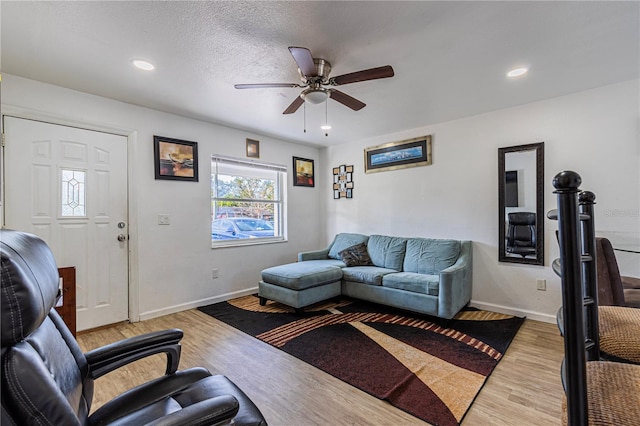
[{"x": 122, "y": 237}]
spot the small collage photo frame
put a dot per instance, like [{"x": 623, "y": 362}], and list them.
[{"x": 342, "y": 182}]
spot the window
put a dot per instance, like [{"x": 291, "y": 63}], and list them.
[
  {"x": 247, "y": 202},
  {"x": 73, "y": 193}
]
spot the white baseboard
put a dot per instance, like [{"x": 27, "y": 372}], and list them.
[
  {"x": 532, "y": 315},
  {"x": 196, "y": 304},
  {"x": 537, "y": 316}
]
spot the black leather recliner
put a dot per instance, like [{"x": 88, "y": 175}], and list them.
[
  {"x": 47, "y": 380},
  {"x": 521, "y": 233}
]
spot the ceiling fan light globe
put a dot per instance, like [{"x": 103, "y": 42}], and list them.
[{"x": 315, "y": 96}]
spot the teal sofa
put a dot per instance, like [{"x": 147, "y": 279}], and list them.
[{"x": 424, "y": 275}]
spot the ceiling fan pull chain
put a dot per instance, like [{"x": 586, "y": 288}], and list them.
[
  {"x": 304, "y": 111},
  {"x": 326, "y": 119}
]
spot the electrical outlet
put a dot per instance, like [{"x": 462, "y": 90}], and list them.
[
  {"x": 542, "y": 285},
  {"x": 163, "y": 219},
  {"x": 214, "y": 273}
]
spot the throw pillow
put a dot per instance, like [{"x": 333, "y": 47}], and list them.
[
  {"x": 343, "y": 241},
  {"x": 356, "y": 255}
]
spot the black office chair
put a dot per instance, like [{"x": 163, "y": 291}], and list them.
[
  {"x": 47, "y": 380},
  {"x": 521, "y": 233}
]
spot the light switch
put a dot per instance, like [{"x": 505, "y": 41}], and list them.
[
  {"x": 163, "y": 219},
  {"x": 542, "y": 285}
]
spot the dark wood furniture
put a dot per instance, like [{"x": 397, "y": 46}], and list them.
[{"x": 68, "y": 309}]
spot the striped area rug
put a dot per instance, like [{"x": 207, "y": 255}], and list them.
[{"x": 430, "y": 371}]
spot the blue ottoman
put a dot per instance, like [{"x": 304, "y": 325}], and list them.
[{"x": 300, "y": 284}]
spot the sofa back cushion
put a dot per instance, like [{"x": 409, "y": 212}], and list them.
[
  {"x": 387, "y": 252},
  {"x": 344, "y": 241},
  {"x": 430, "y": 256}
]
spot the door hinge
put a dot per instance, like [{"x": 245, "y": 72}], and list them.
[{"x": 3, "y": 139}]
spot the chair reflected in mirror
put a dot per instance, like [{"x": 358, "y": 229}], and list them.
[{"x": 521, "y": 234}]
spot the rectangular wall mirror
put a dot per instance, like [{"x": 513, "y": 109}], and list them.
[{"x": 521, "y": 204}]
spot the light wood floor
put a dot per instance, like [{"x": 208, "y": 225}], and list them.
[{"x": 524, "y": 389}]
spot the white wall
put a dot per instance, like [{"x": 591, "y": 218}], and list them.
[
  {"x": 171, "y": 265},
  {"x": 594, "y": 133}
]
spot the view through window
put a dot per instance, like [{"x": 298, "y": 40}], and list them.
[{"x": 247, "y": 201}]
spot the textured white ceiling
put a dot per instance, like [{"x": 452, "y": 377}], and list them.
[{"x": 450, "y": 58}]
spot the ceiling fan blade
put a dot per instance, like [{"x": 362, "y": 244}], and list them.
[
  {"x": 294, "y": 105},
  {"x": 303, "y": 58},
  {"x": 364, "y": 75},
  {"x": 346, "y": 100},
  {"x": 265, "y": 85}
]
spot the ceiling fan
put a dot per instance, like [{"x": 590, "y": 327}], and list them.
[{"x": 314, "y": 73}]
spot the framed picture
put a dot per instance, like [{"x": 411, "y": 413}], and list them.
[
  {"x": 253, "y": 148},
  {"x": 175, "y": 159},
  {"x": 398, "y": 155},
  {"x": 303, "y": 172}
]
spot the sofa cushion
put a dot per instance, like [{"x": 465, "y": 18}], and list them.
[
  {"x": 366, "y": 274},
  {"x": 301, "y": 275},
  {"x": 387, "y": 252},
  {"x": 356, "y": 255},
  {"x": 430, "y": 256},
  {"x": 343, "y": 241},
  {"x": 411, "y": 281}
]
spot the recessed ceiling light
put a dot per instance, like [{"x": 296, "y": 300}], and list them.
[
  {"x": 325, "y": 127},
  {"x": 143, "y": 65},
  {"x": 516, "y": 72}
]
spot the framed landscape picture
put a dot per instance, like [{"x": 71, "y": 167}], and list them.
[
  {"x": 398, "y": 155},
  {"x": 303, "y": 174},
  {"x": 175, "y": 159}
]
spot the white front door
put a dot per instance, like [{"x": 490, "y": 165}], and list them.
[{"x": 69, "y": 187}]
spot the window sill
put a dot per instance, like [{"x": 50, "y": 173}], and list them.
[{"x": 247, "y": 242}]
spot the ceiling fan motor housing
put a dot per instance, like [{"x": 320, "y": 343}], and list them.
[
  {"x": 316, "y": 94},
  {"x": 323, "y": 68}
]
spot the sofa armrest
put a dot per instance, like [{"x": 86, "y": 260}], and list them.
[
  {"x": 316, "y": 254},
  {"x": 115, "y": 355},
  {"x": 313, "y": 255},
  {"x": 455, "y": 283}
]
